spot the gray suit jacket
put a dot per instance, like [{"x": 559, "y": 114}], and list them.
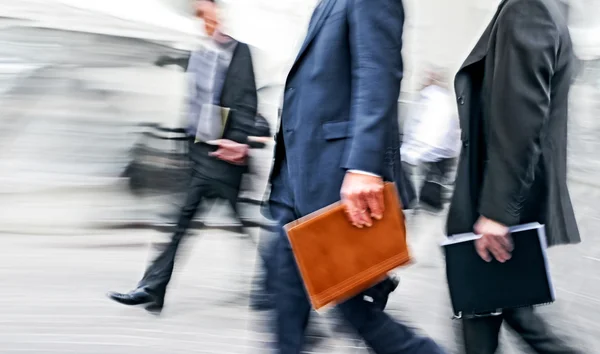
[{"x": 512, "y": 94}]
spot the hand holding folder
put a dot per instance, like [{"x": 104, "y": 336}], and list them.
[
  {"x": 495, "y": 242},
  {"x": 230, "y": 151},
  {"x": 338, "y": 260},
  {"x": 362, "y": 196},
  {"x": 480, "y": 287}
]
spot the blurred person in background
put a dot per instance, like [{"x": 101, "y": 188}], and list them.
[
  {"x": 432, "y": 139},
  {"x": 512, "y": 95},
  {"x": 339, "y": 136},
  {"x": 224, "y": 77}
]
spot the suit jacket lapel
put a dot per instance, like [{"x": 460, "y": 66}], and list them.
[
  {"x": 231, "y": 77},
  {"x": 317, "y": 20},
  {"x": 481, "y": 48}
]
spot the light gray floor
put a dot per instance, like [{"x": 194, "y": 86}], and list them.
[{"x": 53, "y": 294}]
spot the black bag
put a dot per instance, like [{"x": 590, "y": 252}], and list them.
[
  {"x": 431, "y": 195},
  {"x": 159, "y": 161}
]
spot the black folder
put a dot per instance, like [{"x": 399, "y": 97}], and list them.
[{"x": 479, "y": 288}]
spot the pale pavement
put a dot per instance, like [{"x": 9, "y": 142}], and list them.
[{"x": 53, "y": 295}]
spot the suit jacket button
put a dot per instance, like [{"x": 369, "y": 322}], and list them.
[
  {"x": 461, "y": 100},
  {"x": 466, "y": 143}
]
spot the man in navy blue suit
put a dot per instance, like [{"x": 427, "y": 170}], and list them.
[{"x": 339, "y": 136}]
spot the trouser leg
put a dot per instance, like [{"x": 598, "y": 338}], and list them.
[
  {"x": 177, "y": 200},
  {"x": 291, "y": 302},
  {"x": 536, "y": 332},
  {"x": 383, "y": 334},
  {"x": 411, "y": 179},
  {"x": 232, "y": 195},
  {"x": 433, "y": 172},
  {"x": 263, "y": 287},
  {"x": 430, "y": 193},
  {"x": 480, "y": 335},
  {"x": 158, "y": 274}
]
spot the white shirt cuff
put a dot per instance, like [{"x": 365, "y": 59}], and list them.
[{"x": 364, "y": 173}]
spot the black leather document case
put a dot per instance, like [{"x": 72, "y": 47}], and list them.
[{"x": 480, "y": 288}]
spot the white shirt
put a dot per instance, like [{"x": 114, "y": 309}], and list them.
[{"x": 432, "y": 131}]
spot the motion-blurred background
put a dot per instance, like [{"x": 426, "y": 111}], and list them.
[{"x": 80, "y": 88}]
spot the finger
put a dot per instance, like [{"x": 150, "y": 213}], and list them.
[
  {"x": 375, "y": 204},
  {"x": 239, "y": 161},
  {"x": 350, "y": 208},
  {"x": 226, "y": 154},
  {"x": 480, "y": 247},
  {"x": 355, "y": 218},
  {"x": 506, "y": 242},
  {"x": 497, "y": 250},
  {"x": 504, "y": 245},
  {"x": 363, "y": 210},
  {"x": 349, "y": 216},
  {"x": 356, "y": 210},
  {"x": 227, "y": 144},
  {"x": 238, "y": 157},
  {"x": 501, "y": 242}
]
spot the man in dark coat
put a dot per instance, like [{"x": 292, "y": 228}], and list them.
[
  {"x": 225, "y": 78},
  {"x": 512, "y": 94}
]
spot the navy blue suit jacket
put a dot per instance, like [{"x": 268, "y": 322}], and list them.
[{"x": 340, "y": 107}]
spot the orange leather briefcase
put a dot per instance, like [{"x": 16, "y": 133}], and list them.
[{"x": 338, "y": 260}]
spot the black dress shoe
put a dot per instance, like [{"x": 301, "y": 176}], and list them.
[
  {"x": 154, "y": 308},
  {"x": 380, "y": 293},
  {"x": 138, "y": 297}
]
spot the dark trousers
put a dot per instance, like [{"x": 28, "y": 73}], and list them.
[
  {"x": 267, "y": 250},
  {"x": 436, "y": 176},
  {"x": 438, "y": 171},
  {"x": 159, "y": 273},
  {"x": 380, "y": 331},
  {"x": 481, "y": 334}
]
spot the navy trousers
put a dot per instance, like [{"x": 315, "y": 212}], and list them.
[{"x": 381, "y": 333}]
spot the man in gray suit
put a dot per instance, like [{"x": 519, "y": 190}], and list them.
[
  {"x": 339, "y": 135},
  {"x": 512, "y": 95}
]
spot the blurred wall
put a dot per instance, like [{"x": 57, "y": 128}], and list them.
[
  {"x": 278, "y": 28},
  {"x": 442, "y": 33}
]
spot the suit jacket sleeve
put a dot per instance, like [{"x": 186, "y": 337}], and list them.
[
  {"x": 375, "y": 28},
  {"x": 519, "y": 106},
  {"x": 245, "y": 106}
]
